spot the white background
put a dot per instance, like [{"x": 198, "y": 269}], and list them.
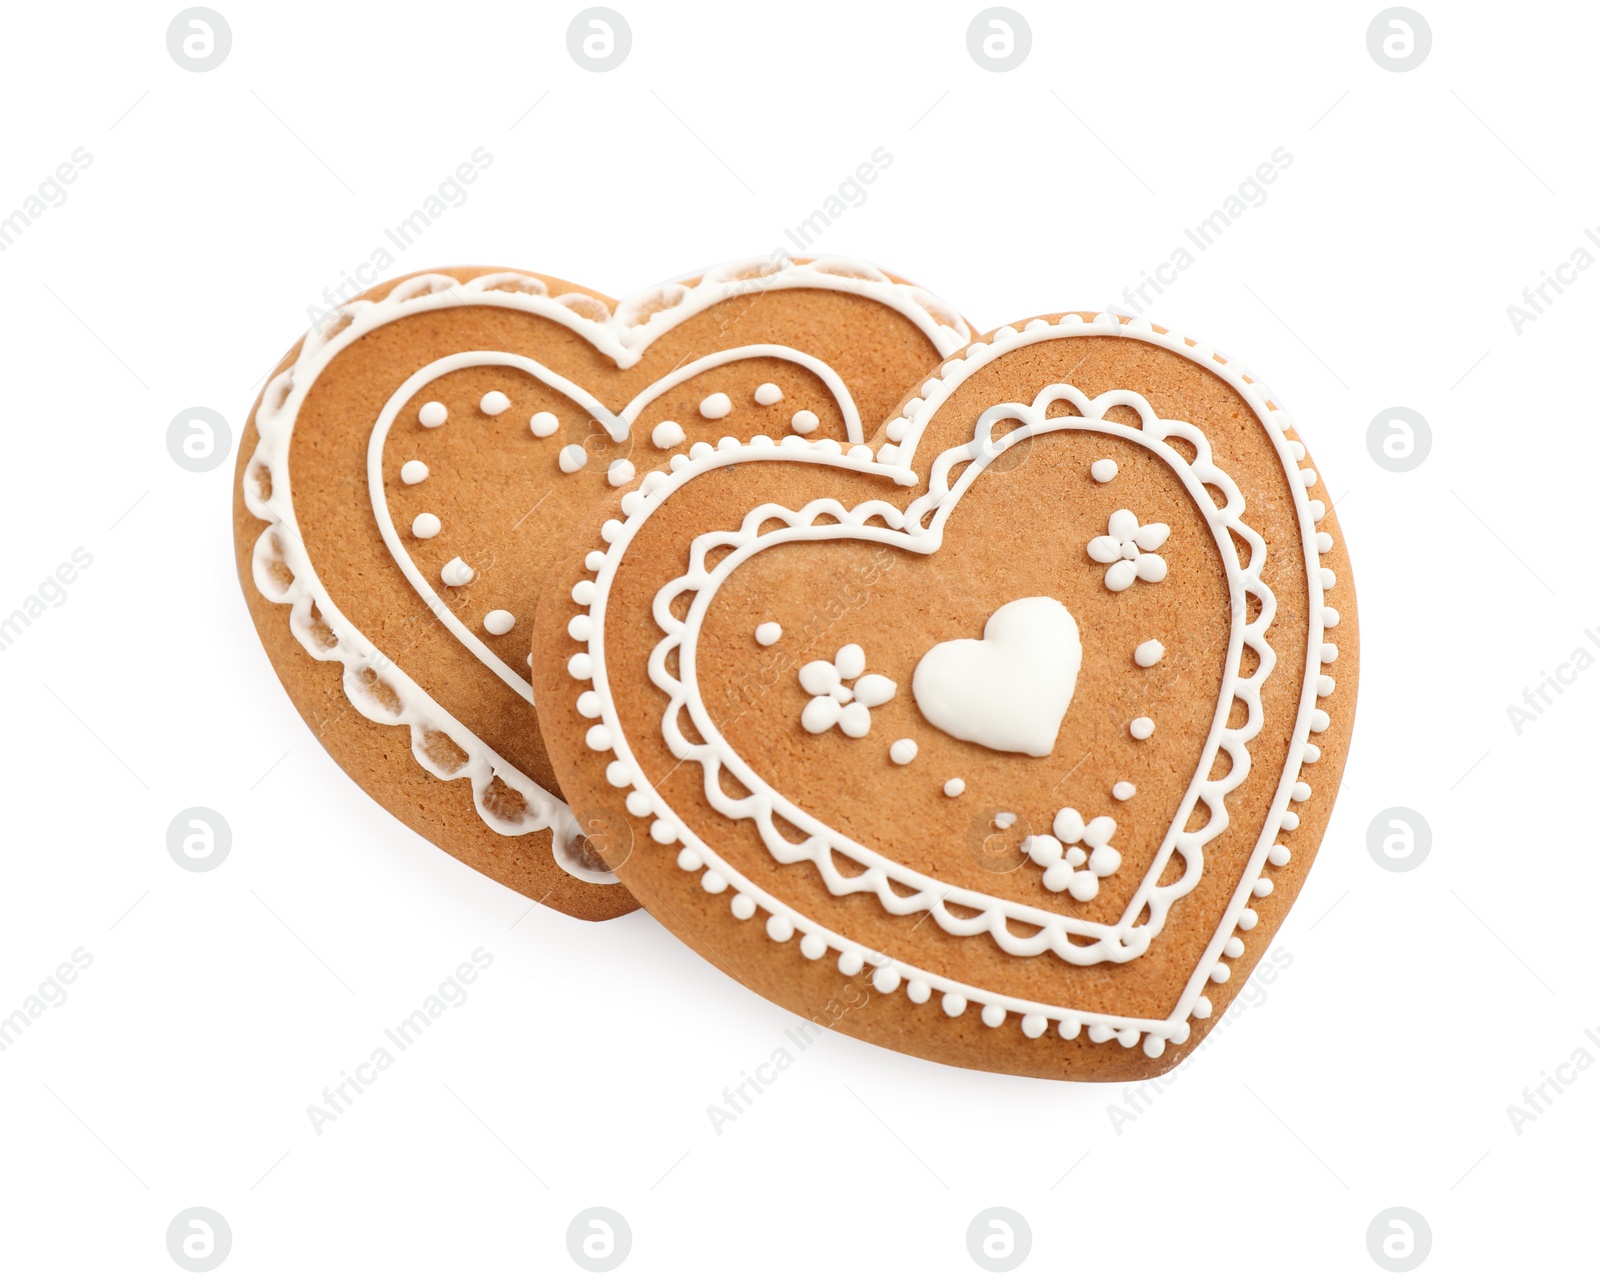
[{"x": 1417, "y": 1006}]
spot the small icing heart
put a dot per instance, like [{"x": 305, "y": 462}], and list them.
[{"x": 1009, "y": 690}]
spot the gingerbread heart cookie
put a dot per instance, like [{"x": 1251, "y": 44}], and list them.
[
  {"x": 416, "y": 460},
  {"x": 1025, "y": 721}
]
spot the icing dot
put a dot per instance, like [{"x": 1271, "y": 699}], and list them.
[
  {"x": 954, "y": 787},
  {"x": 1124, "y": 791},
  {"x": 1154, "y": 1046},
  {"x": 768, "y": 393},
  {"x": 580, "y": 628},
  {"x": 918, "y": 991},
  {"x": 1248, "y": 919},
  {"x": 850, "y": 662},
  {"x": 598, "y": 738},
  {"x": 885, "y": 980},
  {"x": 594, "y": 560},
  {"x": 743, "y": 905},
  {"x": 414, "y": 472},
  {"x": 700, "y": 449},
  {"x": 1262, "y": 887},
  {"x": 638, "y": 803},
  {"x": 619, "y": 775},
  {"x": 716, "y": 405},
  {"x": 780, "y": 928},
  {"x": 805, "y": 422},
  {"x": 589, "y": 704},
  {"x": 903, "y": 751},
  {"x": 432, "y": 414},
  {"x": 426, "y": 525},
  {"x": 619, "y": 472},
  {"x": 689, "y": 860},
  {"x": 812, "y": 947},
  {"x": 1221, "y": 973},
  {"x": 1068, "y": 1028},
  {"x": 1034, "y": 1024},
  {"x": 661, "y": 833},
  {"x": 457, "y": 573},
  {"x": 494, "y": 403},
  {"x": 1149, "y": 653},
  {"x": 544, "y": 423},
  {"x": 580, "y": 666},
  {"x": 1142, "y": 728},
  {"x": 1233, "y": 948},
  {"x": 572, "y": 458},
  {"x": 954, "y": 1004},
  {"x": 1104, "y": 471},
  {"x": 768, "y": 634},
  {"x": 1202, "y": 1008},
  {"x": 499, "y": 621},
  {"x": 850, "y": 963},
  {"x": 667, "y": 435},
  {"x": 714, "y": 881},
  {"x": 993, "y": 1015},
  {"x": 583, "y": 592}
]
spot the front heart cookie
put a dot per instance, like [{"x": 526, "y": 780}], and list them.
[
  {"x": 1065, "y": 851},
  {"x": 415, "y": 461}
]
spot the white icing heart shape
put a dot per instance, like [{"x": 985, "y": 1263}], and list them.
[{"x": 1009, "y": 690}]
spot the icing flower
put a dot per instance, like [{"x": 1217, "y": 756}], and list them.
[
  {"x": 1126, "y": 547},
  {"x": 1077, "y": 856},
  {"x": 843, "y": 693}
]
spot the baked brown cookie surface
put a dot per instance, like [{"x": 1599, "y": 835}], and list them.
[
  {"x": 1031, "y": 713},
  {"x": 414, "y": 463}
]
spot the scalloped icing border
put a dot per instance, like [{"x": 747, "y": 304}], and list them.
[
  {"x": 374, "y": 684},
  {"x": 904, "y": 433},
  {"x": 1120, "y": 942}
]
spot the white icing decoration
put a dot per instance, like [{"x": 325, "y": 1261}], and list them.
[
  {"x": 805, "y": 422},
  {"x": 1124, "y": 790},
  {"x": 1126, "y": 547},
  {"x": 432, "y": 414},
  {"x": 456, "y": 573},
  {"x": 836, "y": 702},
  {"x": 902, "y": 751},
  {"x": 1149, "y": 653},
  {"x": 667, "y": 435},
  {"x": 426, "y": 525},
  {"x": 620, "y": 472},
  {"x": 494, "y": 403},
  {"x": 572, "y": 458},
  {"x": 497, "y": 622},
  {"x": 768, "y": 634},
  {"x": 1142, "y": 727},
  {"x": 414, "y": 472},
  {"x": 716, "y": 405},
  {"x": 544, "y": 424},
  {"x": 1105, "y": 470},
  {"x": 954, "y": 787},
  {"x": 1008, "y": 691},
  {"x": 768, "y": 393}
]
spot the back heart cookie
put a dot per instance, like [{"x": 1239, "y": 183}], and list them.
[
  {"x": 416, "y": 459},
  {"x": 1065, "y": 851}
]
